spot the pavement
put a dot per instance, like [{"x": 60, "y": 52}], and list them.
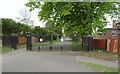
[
  {"x": 97, "y": 61},
  {"x": 44, "y": 61},
  {"x": 56, "y": 47}
]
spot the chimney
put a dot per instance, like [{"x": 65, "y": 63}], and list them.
[{"x": 114, "y": 24}]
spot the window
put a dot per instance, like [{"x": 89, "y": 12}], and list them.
[{"x": 113, "y": 33}]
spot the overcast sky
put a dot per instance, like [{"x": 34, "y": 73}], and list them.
[{"x": 11, "y": 9}]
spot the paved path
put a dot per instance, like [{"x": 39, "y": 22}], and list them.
[
  {"x": 42, "y": 62},
  {"x": 97, "y": 61},
  {"x": 56, "y": 47}
]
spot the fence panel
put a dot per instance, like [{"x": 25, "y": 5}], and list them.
[
  {"x": 118, "y": 46},
  {"x": 112, "y": 45},
  {"x": 6, "y": 40},
  {"x": 100, "y": 43},
  {"x": 22, "y": 40}
]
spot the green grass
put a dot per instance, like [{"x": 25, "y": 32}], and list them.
[
  {"x": 76, "y": 46},
  {"x": 116, "y": 56},
  {"x": 6, "y": 49},
  {"x": 98, "y": 67},
  {"x": 21, "y": 46},
  {"x": 45, "y": 43},
  {"x": 101, "y": 50}
]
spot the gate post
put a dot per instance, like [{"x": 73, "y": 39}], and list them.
[
  {"x": 87, "y": 43},
  {"x": 14, "y": 41},
  {"x": 29, "y": 41}
]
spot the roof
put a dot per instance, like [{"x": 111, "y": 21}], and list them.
[
  {"x": 118, "y": 23},
  {"x": 113, "y": 28}
]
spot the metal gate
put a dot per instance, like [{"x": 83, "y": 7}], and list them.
[{"x": 44, "y": 43}]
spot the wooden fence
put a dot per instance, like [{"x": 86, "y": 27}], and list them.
[
  {"x": 100, "y": 44},
  {"x": 6, "y": 40},
  {"x": 22, "y": 40},
  {"x": 106, "y": 44}
]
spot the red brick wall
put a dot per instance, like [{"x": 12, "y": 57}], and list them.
[{"x": 108, "y": 35}]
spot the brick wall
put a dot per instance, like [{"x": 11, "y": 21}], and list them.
[{"x": 108, "y": 34}]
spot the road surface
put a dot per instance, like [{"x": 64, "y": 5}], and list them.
[{"x": 41, "y": 61}]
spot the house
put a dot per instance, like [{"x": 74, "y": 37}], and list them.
[
  {"x": 111, "y": 33},
  {"x": 110, "y": 40}
]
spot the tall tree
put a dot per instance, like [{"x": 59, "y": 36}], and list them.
[
  {"x": 39, "y": 31},
  {"x": 25, "y": 17},
  {"x": 10, "y": 26},
  {"x": 77, "y": 18}
]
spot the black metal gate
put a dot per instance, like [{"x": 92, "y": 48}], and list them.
[{"x": 87, "y": 43}]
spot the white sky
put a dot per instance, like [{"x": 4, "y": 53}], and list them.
[{"x": 11, "y": 9}]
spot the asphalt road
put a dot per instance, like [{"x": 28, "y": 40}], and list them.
[
  {"x": 56, "y": 47},
  {"x": 42, "y": 62}
]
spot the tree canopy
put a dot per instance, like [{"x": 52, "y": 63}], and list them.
[
  {"x": 76, "y": 18},
  {"x": 10, "y": 26},
  {"x": 40, "y": 31}
]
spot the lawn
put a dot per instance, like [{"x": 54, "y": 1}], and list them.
[
  {"x": 6, "y": 49},
  {"x": 98, "y": 67}
]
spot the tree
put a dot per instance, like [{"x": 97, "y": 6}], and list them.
[
  {"x": 39, "y": 31},
  {"x": 10, "y": 26},
  {"x": 24, "y": 29},
  {"x": 55, "y": 30},
  {"x": 25, "y": 17},
  {"x": 77, "y": 18}
]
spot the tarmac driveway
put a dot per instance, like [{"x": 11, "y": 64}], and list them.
[{"x": 43, "y": 61}]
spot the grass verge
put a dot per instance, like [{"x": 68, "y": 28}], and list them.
[
  {"x": 6, "y": 49},
  {"x": 98, "y": 67}
]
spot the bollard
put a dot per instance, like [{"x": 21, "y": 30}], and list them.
[
  {"x": 14, "y": 42},
  {"x": 39, "y": 48},
  {"x": 50, "y": 48},
  {"x": 61, "y": 48}
]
